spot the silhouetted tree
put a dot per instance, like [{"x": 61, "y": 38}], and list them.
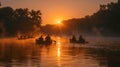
[
  {"x": 105, "y": 21},
  {"x": 20, "y": 20},
  {"x": 35, "y": 16}
]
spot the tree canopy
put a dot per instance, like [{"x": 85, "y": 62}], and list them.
[
  {"x": 20, "y": 20},
  {"x": 106, "y": 21}
]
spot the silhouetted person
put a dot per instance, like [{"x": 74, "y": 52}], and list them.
[
  {"x": 48, "y": 39},
  {"x": 73, "y": 39},
  {"x": 41, "y": 38},
  {"x": 81, "y": 39}
]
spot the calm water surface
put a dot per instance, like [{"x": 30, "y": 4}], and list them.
[{"x": 25, "y": 53}]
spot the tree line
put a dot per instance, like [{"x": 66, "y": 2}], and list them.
[
  {"x": 106, "y": 21},
  {"x": 21, "y": 20}
]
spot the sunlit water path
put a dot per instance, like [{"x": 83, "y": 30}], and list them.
[{"x": 25, "y": 53}]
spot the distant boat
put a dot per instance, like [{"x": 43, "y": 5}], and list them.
[
  {"x": 80, "y": 41},
  {"x": 47, "y": 40},
  {"x": 24, "y": 37},
  {"x": 38, "y": 41}
]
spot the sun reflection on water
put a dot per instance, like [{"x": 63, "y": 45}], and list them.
[{"x": 59, "y": 52}]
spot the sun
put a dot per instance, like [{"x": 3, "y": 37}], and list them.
[{"x": 59, "y": 21}]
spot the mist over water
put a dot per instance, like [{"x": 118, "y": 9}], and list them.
[
  {"x": 100, "y": 52},
  {"x": 21, "y": 27}
]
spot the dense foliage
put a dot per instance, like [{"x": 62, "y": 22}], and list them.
[
  {"x": 19, "y": 20},
  {"x": 106, "y": 21}
]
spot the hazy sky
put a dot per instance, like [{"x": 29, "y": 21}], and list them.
[{"x": 53, "y": 10}]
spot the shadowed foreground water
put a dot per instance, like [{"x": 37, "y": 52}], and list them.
[{"x": 23, "y": 53}]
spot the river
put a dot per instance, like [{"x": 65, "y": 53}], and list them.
[{"x": 99, "y": 52}]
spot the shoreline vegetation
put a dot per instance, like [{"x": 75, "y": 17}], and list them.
[
  {"x": 104, "y": 22},
  {"x": 22, "y": 21}
]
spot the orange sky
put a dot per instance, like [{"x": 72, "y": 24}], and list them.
[{"x": 53, "y": 10}]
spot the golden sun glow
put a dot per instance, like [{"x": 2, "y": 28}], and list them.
[{"x": 59, "y": 21}]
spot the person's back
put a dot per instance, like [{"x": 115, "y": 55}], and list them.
[
  {"x": 48, "y": 39},
  {"x": 41, "y": 38},
  {"x": 73, "y": 39},
  {"x": 81, "y": 39}
]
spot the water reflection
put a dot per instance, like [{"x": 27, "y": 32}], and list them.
[
  {"x": 58, "y": 53},
  {"x": 61, "y": 54}
]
